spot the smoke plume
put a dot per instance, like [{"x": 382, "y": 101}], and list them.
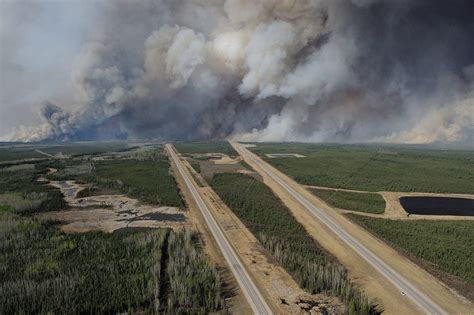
[{"x": 271, "y": 70}]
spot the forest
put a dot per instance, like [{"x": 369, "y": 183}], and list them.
[
  {"x": 46, "y": 271},
  {"x": 445, "y": 245},
  {"x": 148, "y": 181},
  {"x": 287, "y": 241},
  {"x": 375, "y": 167}
]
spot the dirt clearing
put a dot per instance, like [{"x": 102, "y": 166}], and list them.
[{"x": 109, "y": 213}]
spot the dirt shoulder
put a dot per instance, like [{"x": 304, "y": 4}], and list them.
[{"x": 364, "y": 275}]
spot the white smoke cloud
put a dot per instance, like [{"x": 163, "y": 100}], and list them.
[
  {"x": 265, "y": 58},
  {"x": 271, "y": 70},
  {"x": 186, "y": 51},
  {"x": 452, "y": 123}
]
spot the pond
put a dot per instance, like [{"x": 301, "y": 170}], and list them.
[{"x": 438, "y": 205}]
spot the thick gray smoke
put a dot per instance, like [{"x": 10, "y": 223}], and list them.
[{"x": 272, "y": 70}]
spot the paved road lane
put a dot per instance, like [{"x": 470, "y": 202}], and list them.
[{"x": 251, "y": 292}]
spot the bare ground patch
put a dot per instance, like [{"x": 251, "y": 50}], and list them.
[
  {"x": 109, "y": 213},
  {"x": 215, "y": 163}
]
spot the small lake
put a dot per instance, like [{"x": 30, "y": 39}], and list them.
[{"x": 438, "y": 205}]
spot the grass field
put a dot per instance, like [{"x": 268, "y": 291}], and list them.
[
  {"x": 375, "y": 168},
  {"x": 205, "y": 147},
  {"x": 287, "y": 240},
  {"x": 447, "y": 245},
  {"x": 363, "y": 202}
]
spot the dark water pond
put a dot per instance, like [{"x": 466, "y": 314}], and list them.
[
  {"x": 438, "y": 205},
  {"x": 157, "y": 216}
]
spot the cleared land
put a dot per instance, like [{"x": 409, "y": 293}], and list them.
[
  {"x": 363, "y": 202},
  {"x": 110, "y": 213},
  {"x": 445, "y": 245},
  {"x": 374, "y": 168},
  {"x": 286, "y": 240}
]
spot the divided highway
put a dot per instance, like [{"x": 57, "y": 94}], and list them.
[
  {"x": 411, "y": 292},
  {"x": 254, "y": 297}
]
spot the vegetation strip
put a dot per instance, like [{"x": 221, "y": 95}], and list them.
[
  {"x": 287, "y": 240},
  {"x": 363, "y": 202}
]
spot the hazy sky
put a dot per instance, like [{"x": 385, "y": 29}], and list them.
[
  {"x": 260, "y": 70},
  {"x": 39, "y": 41}
]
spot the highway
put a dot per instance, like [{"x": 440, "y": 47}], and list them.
[
  {"x": 253, "y": 295},
  {"x": 410, "y": 291}
]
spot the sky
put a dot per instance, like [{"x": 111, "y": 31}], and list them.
[{"x": 347, "y": 71}]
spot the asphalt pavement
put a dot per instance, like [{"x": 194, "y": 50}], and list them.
[{"x": 251, "y": 292}]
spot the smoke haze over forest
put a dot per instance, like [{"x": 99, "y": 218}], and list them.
[{"x": 268, "y": 70}]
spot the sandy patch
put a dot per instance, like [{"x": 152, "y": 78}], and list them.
[
  {"x": 218, "y": 158},
  {"x": 110, "y": 212},
  {"x": 245, "y": 171},
  {"x": 227, "y": 160},
  {"x": 284, "y": 155}
]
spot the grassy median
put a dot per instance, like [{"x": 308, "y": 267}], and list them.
[{"x": 363, "y": 202}]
